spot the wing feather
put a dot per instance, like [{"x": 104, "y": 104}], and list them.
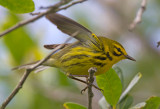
[{"x": 69, "y": 27}]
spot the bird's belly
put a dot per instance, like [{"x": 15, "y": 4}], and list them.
[
  {"x": 83, "y": 70},
  {"x": 79, "y": 60}
]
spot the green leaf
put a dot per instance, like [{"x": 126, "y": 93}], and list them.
[
  {"x": 111, "y": 85},
  {"x": 18, "y": 6},
  {"x": 138, "y": 106},
  {"x": 131, "y": 85},
  {"x": 18, "y": 42},
  {"x": 152, "y": 103},
  {"x": 126, "y": 102},
  {"x": 70, "y": 105},
  {"x": 118, "y": 70}
]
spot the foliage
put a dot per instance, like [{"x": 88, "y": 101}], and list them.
[
  {"x": 38, "y": 91},
  {"x": 152, "y": 103},
  {"x": 18, "y": 6},
  {"x": 16, "y": 39},
  {"x": 69, "y": 105},
  {"x": 111, "y": 85}
]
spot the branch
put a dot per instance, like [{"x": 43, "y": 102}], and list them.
[
  {"x": 91, "y": 71},
  {"x": 158, "y": 44},
  {"x": 54, "y": 8},
  {"x": 16, "y": 90},
  {"x": 138, "y": 17},
  {"x": 73, "y": 3},
  {"x": 28, "y": 71}
]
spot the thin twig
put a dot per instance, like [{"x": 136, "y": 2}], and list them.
[
  {"x": 73, "y": 3},
  {"x": 37, "y": 13},
  {"x": 28, "y": 71},
  {"x": 138, "y": 17},
  {"x": 16, "y": 90},
  {"x": 54, "y": 9},
  {"x": 22, "y": 23},
  {"x": 91, "y": 71}
]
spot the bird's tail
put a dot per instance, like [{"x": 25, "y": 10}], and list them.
[{"x": 31, "y": 65}]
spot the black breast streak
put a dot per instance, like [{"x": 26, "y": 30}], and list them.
[
  {"x": 94, "y": 62},
  {"x": 109, "y": 56},
  {"x": 99, "y": 64},
  {"x": 100, "y": 57},
  {"x": 75, "y": 56},
  {"x": 75, "y": 64}
]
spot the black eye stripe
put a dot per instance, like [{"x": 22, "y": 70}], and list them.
[
  {"x": 118, "y": 49},
  {"x": 114, "y": 53},
  {"x": 119, "y": 53}
]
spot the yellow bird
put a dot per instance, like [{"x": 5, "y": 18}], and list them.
[{"x": 89, "y": 51}]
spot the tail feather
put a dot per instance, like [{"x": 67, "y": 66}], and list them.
[
  {"x": 40, "y": 68},
  {"x": 25, "y": 66},
  {"x": 30, "y": 65}
]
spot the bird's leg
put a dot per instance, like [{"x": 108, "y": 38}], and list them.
[
  {"x": 83, "y": 90},
  {"x": 86, "y": 82}
]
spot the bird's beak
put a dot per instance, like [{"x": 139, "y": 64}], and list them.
[{"x": 129, "y": 57}]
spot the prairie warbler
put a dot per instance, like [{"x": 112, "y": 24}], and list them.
[{"x": 89, "y": 51}]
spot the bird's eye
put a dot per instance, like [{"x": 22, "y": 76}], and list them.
[{"x": 119, "y": 49}]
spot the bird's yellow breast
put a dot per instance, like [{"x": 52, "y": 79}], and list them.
[{"x": 79, "y": 59}]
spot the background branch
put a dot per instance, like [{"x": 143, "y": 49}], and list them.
[
  {"x": 16, "y": 90},
  {"x": 28, "y": 71},
  {"x": 158, "y": 44},
  {"x": 53, "y": 9},
  {"x": 138, "y": 17}
]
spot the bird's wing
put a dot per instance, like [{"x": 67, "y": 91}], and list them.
[{"x": 70, "y": 27}]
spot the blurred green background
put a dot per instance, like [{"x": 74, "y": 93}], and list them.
[{"x": 51, "y": 88}]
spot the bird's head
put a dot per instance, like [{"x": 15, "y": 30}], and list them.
[{"x": 116, "y": 49}]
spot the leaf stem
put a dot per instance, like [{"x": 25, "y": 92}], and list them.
[{"x": 114, "y": 107}]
